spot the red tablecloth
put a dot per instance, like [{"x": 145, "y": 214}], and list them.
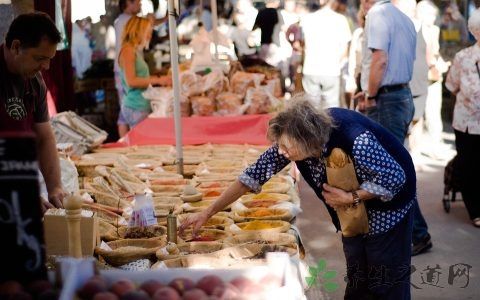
[{"x": 247, "y": 129}]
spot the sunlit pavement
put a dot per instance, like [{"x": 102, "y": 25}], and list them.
[{"x": 450, "y": 270}]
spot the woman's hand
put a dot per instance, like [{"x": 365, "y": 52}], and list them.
[
  {"x": 162, "y": 80},
  {"x": 195, "y": 220},
  {"x": 336, "y": 197}
]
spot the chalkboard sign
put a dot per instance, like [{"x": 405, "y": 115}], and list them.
[{"x": 22, "y": 255}]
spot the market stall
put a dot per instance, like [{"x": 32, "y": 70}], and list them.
[
  {"x": 113, "y": 182},
  {"x": 128, "y": 201}
]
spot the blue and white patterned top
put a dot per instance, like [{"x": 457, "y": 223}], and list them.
[{"x": 379, "y": 173}]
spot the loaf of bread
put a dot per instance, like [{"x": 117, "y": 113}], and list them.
[{"x": 337, "y": 159}]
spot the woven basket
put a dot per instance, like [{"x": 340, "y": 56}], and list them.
[
  {"x": 276, "y": 187},
  {"x": 167, "y": 200},
  {"x": 219, "y": 163},
  {"x": 178, "y": 189},
  {"x": 196, "y": 206},
  {"x": 260, "y": 203},
  {"x": 108, "y": 199},
  {"x": 191, "y": 248},
  {"x": 274, "y": 238},
  {"x": 214, "y": 178},
  {"x": 144, "y": 156},
  {"x": 270, "y": 214},
  {"x": 156, "y": 231},
  {"x": 162, "y": 210},
  {"x": 209, "y": 234},
  {"x": 104, "y": 229},
  {"x": 291, "y": 249},
  {"x": 202, "y": 170},
  {"x": 188, "y": 170},
  {"x": 263, "y": 226},
  {"x": 266, "y": 196},
  {"x": 128, "y": 250},
  {"x": 211, "y": 192},
  {"x": 214, "y": 222}
]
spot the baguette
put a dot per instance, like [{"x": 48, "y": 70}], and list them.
[{"x": 337, "y": 159}]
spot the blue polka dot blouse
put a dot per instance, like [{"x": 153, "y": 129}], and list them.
[{"x": 377, "y": 171}]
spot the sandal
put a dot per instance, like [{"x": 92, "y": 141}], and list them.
[{"x": 476, "y": 222}]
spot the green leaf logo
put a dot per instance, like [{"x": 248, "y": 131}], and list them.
[
  {"x": 330, "y": 274},
  {"x": 313, "y": 271},
  {"x": 319, "y": 274},
  {"x": 330, "y": 286},
  {"x": 311, "y": 281},
  {"x": 321, "y": 265}
]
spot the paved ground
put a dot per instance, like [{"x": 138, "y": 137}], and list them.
[{"x": 455, "y": 241}]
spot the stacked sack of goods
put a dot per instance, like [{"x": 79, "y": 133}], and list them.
[{"x": 254, "y": 91}]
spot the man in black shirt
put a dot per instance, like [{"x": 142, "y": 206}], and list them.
[
  {"x": 30, "y": 45},
  {"x": 266, "y": 20},
  {"x": 269, "y": 22}
]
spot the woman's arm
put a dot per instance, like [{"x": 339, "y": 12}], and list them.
[
  {"x": 385, "y": 177},
  {"x": 252, "y": 179},
  {"x": 127, "y": 61},
  {"x": 336, "y": 197},
  {"x": 454, "y": 75},
  {"x": 232, "y": 193}
]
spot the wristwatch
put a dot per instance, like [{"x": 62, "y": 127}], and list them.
[
  {"x": 356, "y": 198},
  {"x": 369, "y": 97}
]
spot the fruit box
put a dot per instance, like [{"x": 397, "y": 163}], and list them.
[{"x": 80, "y": 271}]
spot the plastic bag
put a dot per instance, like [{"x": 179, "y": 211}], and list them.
[
  {"x": 190, "y": 83},
  {"x": 203, "y": 106},
  {"x": 161, "y": 101},
  {"x": 69, "y": 178},
  {"x": 241, "y": 81},
  {"x": 143, "y": 213},
  {"x": 230, "y": 104},
  {"x": 69, "y": 175},
  {"x": 214, "y": 83},
  {"x": 277, "y": 87},
  {"x": 260, "y": 100}
]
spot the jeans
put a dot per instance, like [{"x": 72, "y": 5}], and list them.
[
  {"x": 133, "y": 117},
  {"x": 420, "y": 227},
  {"x": 378, "y": 266},
  {"x": 394, "y": 111}
]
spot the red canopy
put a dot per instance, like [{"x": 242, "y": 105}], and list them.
[{"x": 247, "y": 129}]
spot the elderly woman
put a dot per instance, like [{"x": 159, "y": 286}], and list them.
[
  {"x": 378, "y": 263},
  {"x": 463, "y": 80}
]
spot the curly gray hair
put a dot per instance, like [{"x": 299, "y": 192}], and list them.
[{"x": 300, "y": 121}]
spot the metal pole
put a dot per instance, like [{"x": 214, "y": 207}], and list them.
[
  {"x": 172, "y": 26},
  {"x": 215, "y": 27}
]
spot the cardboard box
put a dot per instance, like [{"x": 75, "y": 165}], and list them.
[{"x": 56, "y": 234}]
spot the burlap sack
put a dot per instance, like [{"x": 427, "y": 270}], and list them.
[{"x": 341, "y": 174}]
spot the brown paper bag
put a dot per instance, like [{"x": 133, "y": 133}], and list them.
[{"x": 341, "y": 174}]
